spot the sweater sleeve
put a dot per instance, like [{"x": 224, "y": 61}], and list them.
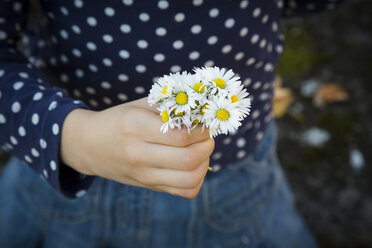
[
  {"x": 31, "y": 111},
  {"x": 303, "y": 7}
]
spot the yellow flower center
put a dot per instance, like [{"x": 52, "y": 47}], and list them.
[
  {"x": 164, "y": 116},
  {"x": 164, "y": 91},
  {"x": 181, "y": 98},
  {"x": 180, "y": 114},
  {"x": 223, "y": 114},
  {"x": 199, "y": 87},
  {"x": 196, "y": 121},
  {"x": 234, "y": 98},
  {"x": 220, "y": 83},
  {"x": 203, "y": 108}
]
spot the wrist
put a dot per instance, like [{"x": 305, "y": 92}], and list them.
[{"x": 73, "y": 139}]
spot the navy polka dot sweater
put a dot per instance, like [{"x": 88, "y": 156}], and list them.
[{"x": 97, "y": 54}]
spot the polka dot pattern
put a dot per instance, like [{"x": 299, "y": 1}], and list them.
[{"x": 105, "y": 54}]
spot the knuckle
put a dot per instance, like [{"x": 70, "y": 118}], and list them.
[
  {"x": 194, "y": 178},
  {"x": 191, "y": 159},
  {"x": 182, "y": 138},
  {"x": 191, "y": 194}
]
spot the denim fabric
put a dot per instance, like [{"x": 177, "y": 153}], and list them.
[{"x": 248, "y": 204}]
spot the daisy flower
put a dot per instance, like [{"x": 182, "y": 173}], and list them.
[
  {"x": 184, "y": 98},
  {"x": 221, "y": 117},
  {"x": 222, "y": 81},
  {"x": 166, "y": 118},
  {"x": 161, "y": 90},
  {"x": 239, "y": 96}
]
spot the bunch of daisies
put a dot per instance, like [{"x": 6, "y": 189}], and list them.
[{"x": 211, "y": 97}]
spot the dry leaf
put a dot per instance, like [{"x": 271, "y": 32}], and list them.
[
  {"x": 283, "y": 98},
  {"x": 330, "y": 93}
]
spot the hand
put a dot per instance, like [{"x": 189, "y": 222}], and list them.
[{"x": 124, "y": 144}]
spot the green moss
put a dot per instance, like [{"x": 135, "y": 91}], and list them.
[{"x": 299, "y": 54}]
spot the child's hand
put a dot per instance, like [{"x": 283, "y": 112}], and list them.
[{"x": 123, "y": 143}]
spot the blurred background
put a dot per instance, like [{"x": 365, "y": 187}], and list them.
[{"x": 323, "y": 109}]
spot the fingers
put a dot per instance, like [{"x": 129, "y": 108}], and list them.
[
  {"x": 143, "y": 103},
  {"x": 186, "y": 193},
  {"x": 178, "y": 158}
]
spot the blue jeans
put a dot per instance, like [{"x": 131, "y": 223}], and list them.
[{"x": 249, "y": 204}]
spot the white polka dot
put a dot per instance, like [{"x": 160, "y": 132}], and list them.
[
  {"x": 240, "y": 142},
  {"x": 93, "y": 67},
  {"x": 196, "y": 29},
  {"x": 217, "y": 155},
  {"x": 212, "y": 40},
  {"x": 64, "y": 77},
  {"x": 76, "y": 52},
  {"x": 141, "y": 68},
  {"x": 45, "y": 173},
  {"x": 279, "y": 49},
  {"x": 28, "y": 159},
  {"x": 274, "y": 26},
  {"x": 142, "y": 44},
  {"x": 214, "y": 12},
  {"x": 124, "y": 54},
  {"x": 209, "y": 63},
  {"x": 125, "y": 28},
  {"x": 160, "y": 31},
  {"x": 107, "y": 62},
  {"x": 178, "y": 44},
  {"x": 109, "y": 11},
  {"x": 250, "y": 61},
  {"x": 3, "y": 35},
  {"x": 269, "y": 67},
  {"x": 80, "y": 193},
  {"x": 18, "y": 85},
  {"x": 91, "y": 21},
  {"x": 265, "y": 18},
  {"x": 78, "y": 3},
  {"x": 128, "y": 2},
  {"x": 2, "y": 73},
  {"x": 107, "y": 100},
  {"x": 259, "y": 64},
  {"x": 256, "y": 12},
  {"x": 255, "y": 38},
  {"x": 243, "y": 4},
  {"x": 197, "y": 2},
  {"x": 106, "y": 85},
  {"x": 55, "y": 129},
  {"x": 216, "y": 168},
  {"x": 90, "y": 90},
  {"x": 35, "y": 152},
  {"x": 2, "y": 119},
  {"x": 257, "y": 85},
  {"x": 79, "y": 73},
  {"x": 159, "y": 57},
  {"x": 239, "y": 56},
  {"x": 35, "y": 119},
  {"x": 53, "y": 165},
  {"x": 43, "y": 143},
  {"x": 64, "y": 58},
  {"x": 23, "y": 75},
  {"x": 63, "y": 10},
  {"x": 163, "y": 4},
  {"x": 93, "y": 103},
  {"x": 91, "y": 46},
  {"x": 229, "y": 23},
  {"x": 52, "y": 105},
  {"x": 259, "y": 136},
  {"x": 227, "y": 141},
  {"x": 179, "y": 17},
  {"x": 123, "y": 77},
  {"x": 13, "y": 140},
  {"x": 22, "y": 131},
  {"x": 226, "y": 49},
  {"x": 240, "y": 154},
  {"x": 175, "y": 68},
  {"x": 243, "y": 32},
  {"x": 139, "y": 90},
  {"x": 122, "y": 97},
  {"x": 144, "y": 17},
  {"x": 107, "y": 38},
  {"x": 63, "y": 33},
  {"x": 194, "y": 55},
  {"x": 16, "y": 107}
]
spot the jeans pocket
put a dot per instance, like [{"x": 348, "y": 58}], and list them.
[
  {"x": 240, "y": 192},
  {"x": 52, "y": 205}
]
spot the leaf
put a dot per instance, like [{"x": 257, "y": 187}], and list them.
[
  {"x": 283, "y": 97},
  {"x": 330, "y": 93}
]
